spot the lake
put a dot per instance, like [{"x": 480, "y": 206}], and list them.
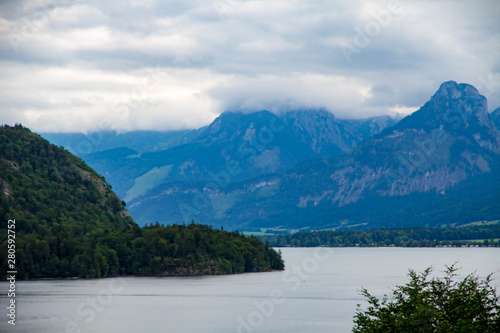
[{"x": 317, "y": 292}]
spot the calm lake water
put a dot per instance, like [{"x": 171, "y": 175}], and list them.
[{"x": 317, "y": 292}]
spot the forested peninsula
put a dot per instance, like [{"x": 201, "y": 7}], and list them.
[{"x": 69, "y": 223}]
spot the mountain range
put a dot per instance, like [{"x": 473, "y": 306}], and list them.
[
  {"x": 259, "y": 143},
  {"x": 309, "y": 170}
]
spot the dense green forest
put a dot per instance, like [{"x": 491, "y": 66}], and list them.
[
  {"x": 175, "y": 250},
  {"x": 482, "y": 235},
  {"x": 69, "y": 223}
]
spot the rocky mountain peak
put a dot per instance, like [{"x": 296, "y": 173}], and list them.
[
  {"x": 461, "y": 101},
  {"x": 459, "y": 109},
  {"x": 453, "y": 90}
]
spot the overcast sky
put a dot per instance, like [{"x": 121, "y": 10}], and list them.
[{"x": 81, "y": 65}]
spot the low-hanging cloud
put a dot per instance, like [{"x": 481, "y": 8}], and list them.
[{"x": 295, "y": 90}]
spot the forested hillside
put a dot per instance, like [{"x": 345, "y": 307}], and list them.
[{"x": 69, "y": 223}]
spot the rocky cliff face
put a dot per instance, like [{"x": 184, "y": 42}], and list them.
[
  {"x": 495, "y": 116},
  {"x": 450, "y": 139},
  {"x": 327, "y": 135},
  {"x": 263, "y": 142}
]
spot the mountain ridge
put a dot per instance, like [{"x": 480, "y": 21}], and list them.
[
  {"x": 258, "y": 143},
  {"x": 443, "y": 150}
]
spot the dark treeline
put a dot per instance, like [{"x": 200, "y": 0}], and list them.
[
  {"x": 151, "y": 251},
  {"x": 69, "y": 223},
  {"x": 408, "y": 237}
]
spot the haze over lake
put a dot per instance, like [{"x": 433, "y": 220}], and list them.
[{"x": 317, "y": 292}]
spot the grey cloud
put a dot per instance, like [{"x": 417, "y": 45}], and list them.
[{"x": 259, "y": 54}]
